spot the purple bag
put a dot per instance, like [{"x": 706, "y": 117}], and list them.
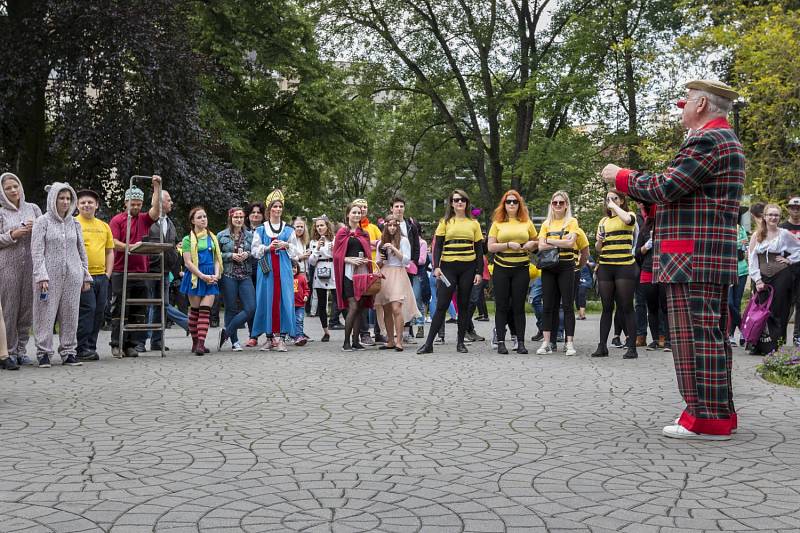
[{"x": 755, "y": 316}]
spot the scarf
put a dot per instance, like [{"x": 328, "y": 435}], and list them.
[{"x": 193, "y": 240}]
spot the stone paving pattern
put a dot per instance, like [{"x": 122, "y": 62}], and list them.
[{"x": 318, "y": 440}]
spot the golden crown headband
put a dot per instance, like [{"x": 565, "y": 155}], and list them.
[{"x": 275, "y": 195}]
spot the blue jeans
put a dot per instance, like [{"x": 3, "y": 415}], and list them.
[
  {"x": 640, "y": 308},
  {"x": 170, "y": 312},
  {"x": 236, "y": 317},
  {"x": 451, "y": 310},
  {"x": 91, "y": 314},
  {"x": 535, "y": 297},
  {"x": 299, "y": 318},
  {"x": 416, "y": 285}
]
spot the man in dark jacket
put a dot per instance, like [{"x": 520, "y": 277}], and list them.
[
  {"x": 172, "y": 265},
  {"x": 694, "y": 250}
]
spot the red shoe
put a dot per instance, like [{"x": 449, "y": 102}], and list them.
[{"x": 252, "y": 343}]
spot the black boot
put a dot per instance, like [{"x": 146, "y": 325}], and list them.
[
  {"x": 461, "y": 347},
  {"x": 521, "y": 349},
  {"x": 601, "y": 351},
  {"x": 631, "y": 353},
  {"x": 425, "y": 348},
  {"x": 501, "y": 347}
]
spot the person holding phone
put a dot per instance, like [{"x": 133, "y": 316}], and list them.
[{"x": 457, "y": 264}]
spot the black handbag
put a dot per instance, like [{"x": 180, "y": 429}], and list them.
[
  {"x": 545, "y": 259},
  {"x": 264, "y": 265}
]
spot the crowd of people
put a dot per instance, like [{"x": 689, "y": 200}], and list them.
[{"x": 270, "y": 272}]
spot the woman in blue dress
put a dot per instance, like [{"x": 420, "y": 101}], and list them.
[
  {"x": 273, "y": 244},
  {"x": 203, "y": 266}
]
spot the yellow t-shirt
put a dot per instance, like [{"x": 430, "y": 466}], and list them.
[
  {"x": 513, "y": 231},
  {"x": 374, "y": 233},
  {"x": 97, "y": 239},
  {"x": 460, "y": 236},
  {"x": 553, "y": 230},
  {"x": 618, "y": 244}
]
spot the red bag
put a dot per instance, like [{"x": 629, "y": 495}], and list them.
[
  {"x": 367, "y": 284},
  {"x": 755, "y": 317}
]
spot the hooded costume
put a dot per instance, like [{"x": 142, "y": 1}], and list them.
[
  {"x": 17, "y": 271},
  {"x": 59, "y": 258}
]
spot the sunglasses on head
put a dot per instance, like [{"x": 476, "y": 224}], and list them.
[
  {"x": 559, "y": 202},
  {"x": 458, "y": 199},
  {"x": 512, "y": 201}
]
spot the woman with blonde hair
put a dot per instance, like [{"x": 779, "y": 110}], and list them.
[
  {"x": 396, "y": 294},
  {"x": 559, "y": 231},
  {"x": 772, "y": 250},
  {"x": 512, "y": 238},
  {"x": 321, "y": 260}
]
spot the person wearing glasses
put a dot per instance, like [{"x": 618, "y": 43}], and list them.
[
  {"x": 457, "y": 265},
  {"x": 559, "y": 230},
  {"x": 617, "y": 273},
  {"x": 512, "y": 238},
  {"x": 772, "y": 251},
  {"x": 694, "y": 248}
]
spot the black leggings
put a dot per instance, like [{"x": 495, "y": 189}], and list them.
[
  {"x": 558, "y": 285},
  {"x": 461, "y": 275},
  {"x": 353, "y": 321},
  {"x": 617, "y": 284},
  {"x": 510, "y": 290},
  {"x": 656, "y": 297},
  {"x": 322, "y": 306}
]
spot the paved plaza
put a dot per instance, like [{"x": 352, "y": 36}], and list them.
[{"x": 318, "y": 440}]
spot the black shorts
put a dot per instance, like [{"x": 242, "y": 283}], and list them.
[{"x": 615, "y": 272}]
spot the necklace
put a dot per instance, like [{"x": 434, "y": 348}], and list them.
[{"x": 272, "y": 228}]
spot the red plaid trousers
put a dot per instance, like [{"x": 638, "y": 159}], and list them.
[{"x": 698, "y": 317}]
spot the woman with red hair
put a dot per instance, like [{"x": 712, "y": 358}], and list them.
[{"x": 511, "y": 239}]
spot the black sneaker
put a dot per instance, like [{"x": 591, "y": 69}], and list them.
[
  {"x": 667, "y": 346},
  {"x": 346, "y": 347},
  {"x": 653, "y": 346},
  {"x": 539, "y": 336},
  {"x": 482, "y": 318},
  {"x": 88, "y": 356},
  {"x": 616, "y": 343},
  {"x": 471, "y": 336},
  {"x": 630, "y": 354},
  {"x": 9, "y": 364},
  {"x": 71, "y": 360},
  {"x": 358, "y": 347},
  {"x": 439, "y": 340},
  {"x": 44, "y": 361},
  {"x": 131, "y": 352},
  {"x": 336, "y": 326},
  {"x": 380, "y": 339},
  {"x": 451, "y": 321}
]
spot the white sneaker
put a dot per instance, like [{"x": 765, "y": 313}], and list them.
[
  {"x": 544, "y": 349},
  {"x": 679, "y": 432},
  {"x": 678, "y": 421},
  {"x": 569, "y": 349},
  {"x": 237, "y": 346}
]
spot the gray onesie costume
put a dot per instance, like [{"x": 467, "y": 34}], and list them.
[
  {"x": 16, "y": 270},
  {"x": 59, "y": 257}
]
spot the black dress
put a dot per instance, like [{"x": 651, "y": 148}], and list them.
[{"x": 354, "y": 248}]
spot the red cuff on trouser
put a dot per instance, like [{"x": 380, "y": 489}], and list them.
[
  {"x": 708, "y": 426},
  {"x": 622, "y": 179}
]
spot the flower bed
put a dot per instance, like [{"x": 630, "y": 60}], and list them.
[{"x": 782, "y": 367}]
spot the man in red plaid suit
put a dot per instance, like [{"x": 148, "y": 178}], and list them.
[{"x": 694, "y": 245}]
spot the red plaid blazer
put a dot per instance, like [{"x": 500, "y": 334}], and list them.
[{"x": 698, "y": 207}]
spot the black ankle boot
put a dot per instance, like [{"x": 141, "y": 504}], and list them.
[
  {"x": 521, "y": 347},
  {"x": 501, "y": 347},
  {"x": 461, "y": 347},
  {"x": 631, "y": 353},
  {"x": 601, "y": 351},
  {"x": 425, "y": 348}
]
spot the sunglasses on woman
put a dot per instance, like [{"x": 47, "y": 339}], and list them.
[
  {"x": 559, "y": 202},
  {"x": 459, "y": 200},
  {"x": 512, "y": 201}
]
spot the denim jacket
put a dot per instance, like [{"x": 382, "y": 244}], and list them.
[{"x": 228, "y": 247}]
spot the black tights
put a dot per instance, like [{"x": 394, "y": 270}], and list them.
[
  {"x": 510, "y": 290},
  {"x": 461, "y": 275},
  {"x": 352, "y": 322},
  {"x": 322, "y": 306},
  {"x": 617, "y": 284},
  {"x": 558, "y": 285},
  {"x": 656, "y": 298}
]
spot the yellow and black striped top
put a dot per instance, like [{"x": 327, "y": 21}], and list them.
[
  {"x": 460, "y": 236},
  {"x": 513, "y": 231},
  {"x": 581, "y": 242},
  {"x": 618, "y": 244},
  {"x": 553, "y": 230}
]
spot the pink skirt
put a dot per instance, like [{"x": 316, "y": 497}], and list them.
[{"x": 397, "y": 288}]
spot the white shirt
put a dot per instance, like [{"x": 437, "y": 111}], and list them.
[
  {"x": 259, "y": 249},
  {"x": 324, "y": 255},
  {"x": 404, "y": 259},
  {"x": 784, "y": 242}
]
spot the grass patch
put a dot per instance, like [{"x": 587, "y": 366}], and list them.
[{"x": 782, "y": 367}]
